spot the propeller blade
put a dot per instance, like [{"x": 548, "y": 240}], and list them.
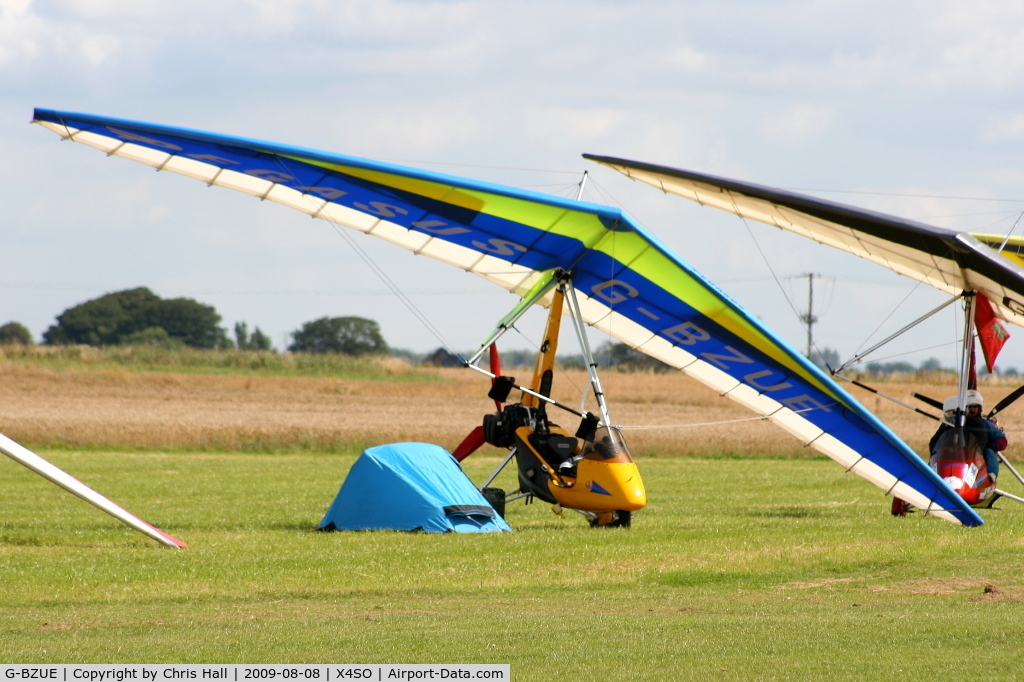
[
  {"x": 495, "y": 368},
  {"x": 928, "y": 401},
  {"x": 495, "y": 360},
  {"x": 889, "y": 397},
  {"x": 1007, "y": 401},
  {"x": 475, "y": 439},
  {"x": 470, "y": 444}
]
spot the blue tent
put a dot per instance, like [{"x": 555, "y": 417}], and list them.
[{"x": 410, "y": 486}]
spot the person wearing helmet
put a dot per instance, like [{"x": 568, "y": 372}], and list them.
[
  {"x": 977, "y": 429},
  {"x": 991, "y": 439},
  {"x": 949, "y": 409},
  {"x": 995, "y": 438}
]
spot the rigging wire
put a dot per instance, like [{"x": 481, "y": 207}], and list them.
[
  {"x": 1003, "y": 245},
  {"x": 768, "y": 265},
  {"x": 480, "y": 166},
  {"x": 899, "y": 305},
  {"x": 580, "y": 187},
  {"x": 388, "y": 282},
  {"x": 803, "y": 319},
  {"x": 379, "y": 271},
  {"x": 604, "y": 194},
  {"x": 563, "y": 370},
  {"x": 1004, "y": 213},
  {"x": 560, "y": 189},
  {"x": 652, "y": 427},
  {"x": 761, "y": 418},
  {"x": 908, "y": 196},
  {"x": 946, "y": 344}
]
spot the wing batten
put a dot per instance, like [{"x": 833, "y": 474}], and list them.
[
  {"x": 907, "y": 247},
  {"x": 191, "y": 168}
]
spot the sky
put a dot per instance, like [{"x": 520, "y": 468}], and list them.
[{"x": 910, "y": 108}]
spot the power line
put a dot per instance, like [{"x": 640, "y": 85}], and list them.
[{"x": 16, "y": 286}]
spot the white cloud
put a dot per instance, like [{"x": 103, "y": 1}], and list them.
[
  {"x": 99, "y": 48},
  {"x": 409, "y": 132},
  {"x": 687, "y": 58},
  {"x": 844, "y": 94},
  {"x": 30, "y": 39},
  {"x": 800, "y": 123},
  {"x": 1004, "y": 129},
  {"x": 14, "y": 6},
  {"x": 18, "y": 31},
  {"x": 978, "y": 44}
]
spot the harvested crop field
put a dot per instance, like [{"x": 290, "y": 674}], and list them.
[{"x": 118, "y": 408}]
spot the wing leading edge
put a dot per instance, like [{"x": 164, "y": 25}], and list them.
[{"x": 631, "y": 286}]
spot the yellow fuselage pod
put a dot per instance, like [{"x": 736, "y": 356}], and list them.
[{"x": 601, "y": 484}]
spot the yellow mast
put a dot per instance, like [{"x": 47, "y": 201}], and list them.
[{"x": 544, "y": 369}]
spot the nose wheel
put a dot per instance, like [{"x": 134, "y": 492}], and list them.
[{"x": 612, "y": 519}]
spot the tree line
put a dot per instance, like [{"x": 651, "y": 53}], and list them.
[{"x": 140, "y": 317}]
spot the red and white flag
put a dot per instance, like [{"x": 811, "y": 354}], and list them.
[{"x": 991, "y": 332}]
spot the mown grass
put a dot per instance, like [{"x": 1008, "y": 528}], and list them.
[
  {"x": 737, "y": 569},
  {"x": 759, "y": 563}
]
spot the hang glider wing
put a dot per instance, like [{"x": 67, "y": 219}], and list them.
[
  {"x": 1008, "y": 247},
  {"x": 951, "y": 261},
  {"x": 630, "y": 285}
]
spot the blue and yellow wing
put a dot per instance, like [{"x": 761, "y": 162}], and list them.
[{"x": 629, "y": 284}]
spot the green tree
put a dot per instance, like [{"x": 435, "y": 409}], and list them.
[
  {"x": 899, "y": 367},
  {"x": 112, "y": 318},
  {"x": 103, "y": 321},
  {"x": 241, "y": 335},
  {"x": 259, "y": 341},
  {"x": 621, "y": 356},
  {"x": 196, "y": 324},
  {"x": 246, "y": 341},
  {"x": 347, "y": 335},
  {"x": 15, "y": 332},
  {"x": 152, "y": 336},
  {"x": 825, "y": 358}
]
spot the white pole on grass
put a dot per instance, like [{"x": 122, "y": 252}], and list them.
[{"x": 32, "y": 461}]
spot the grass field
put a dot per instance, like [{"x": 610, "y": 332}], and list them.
[{"x": 757, "y": 563}]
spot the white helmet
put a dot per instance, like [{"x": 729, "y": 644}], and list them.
[
  {"x": 951, "y": 403},
  {"x": 974, "y": 398}
]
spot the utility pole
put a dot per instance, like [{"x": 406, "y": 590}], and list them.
[{"x": 809, "y": 319}]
